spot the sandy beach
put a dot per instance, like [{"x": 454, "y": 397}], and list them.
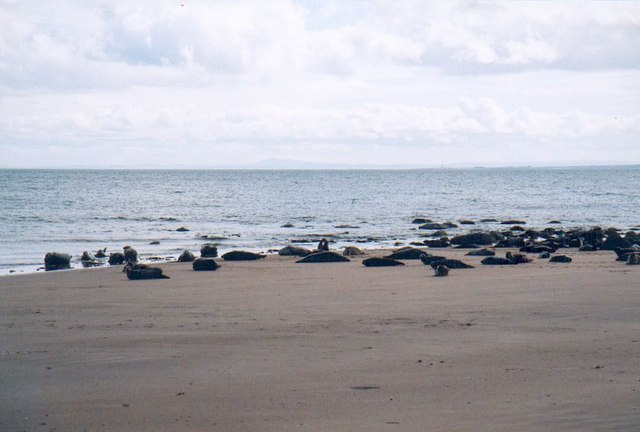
[{"x": 273, "y": 345}]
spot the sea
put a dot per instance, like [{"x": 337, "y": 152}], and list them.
[{"x": 163, "y": 212}]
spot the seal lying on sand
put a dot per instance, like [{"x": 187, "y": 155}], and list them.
[
  {"x": 496, "y": 261},
  {"x": 205, "y": 264},
  {"x": 323, "y": 257},
  {"x": 291, "y": 250},
  {"x": 428, "y": 259},
  {"x": 441, "y": 270},
  {"x": 407, "y": 253},
  {"x": 130, "y": 254},
  {"x": 481, "y": 252},
  {"x": 186, "y": 256},
  {"x": 142, "y": 271},
  {"x": 518, "y": 258},
  {"x": 352, "y": 251},
  {"x": 381, "y": 262},
  {"x": 633, "y": 259},
  {"x": 450, "y": 263},
  {"x": 560, "y": 259},
  {"x": 242, "y": 256}
]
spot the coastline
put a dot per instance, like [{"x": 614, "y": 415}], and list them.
[{"x": 274, "y": 345}]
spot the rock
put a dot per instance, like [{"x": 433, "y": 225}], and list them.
[
  {"x": 560, "y": 259},
  {"x": 633, "y": 259},
  {"x": 205, "y": 264},
  {"x": 451, "y": 263},
  {"x": 467, "y": 222},
  {"x": 407, "y": 253},
  {"x": 208, "y": 251},
  {"x": 518, "y": 258},
  {"x": 427, "y": 259},
  {"x": 439, "y": 233},
  {"x": 352, "y": 251},
  {"x": 287, "y": 225},
  {"x": 242, "y": 256},
  {"x": 496, "y": 261},
  {"x": 476, "y": 238},
  {"x": 450, "y": 225},
  {"x": 294, "y": 251},
  {"x": 421, "y": 221},
  {"x": 182, "y": 229},
  {"x": 481, "y": 252},
  {"x": 186, "y": 256},
  {"x": 57, "y": 261},
  {"x": 513, "y": 222},
  {"x": 323, "y": 257},
  {"x": 441, "y": 270},
  {"x": 488, "y": 220},
  {"x": 101, "y": 253},
  {"x": 381, "y": 262},
  {"x": 442, "y": 243},
  {"x": 130, "y": 254},
  {"x": 554, "y": 222},
  {"x": 116, "y": 258},
  {"x": 586, "y": 248},
  {"x": 155, "y": 242}
]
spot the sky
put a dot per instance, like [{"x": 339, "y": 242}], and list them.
[{"x": 388, "y": 83}]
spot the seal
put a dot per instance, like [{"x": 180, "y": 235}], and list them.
[
  {"x": 633, "y": 259},
  {"x": 441, "y": 270},
  {"x": 323, "y": 257},
  {"x": 481, "y": 252},
  {"x": 242, "y": 256},
  {"x": 323, "y": 245},
  {"x": 427, "y": 259},
  {"x": 116, "y": 258},
  {"x": 205, "y": 264},
  {"x": 292, "y": 250},
  {"x": 57, "y": 261},
  {"x": 130, "y": 254},
  {"x": 101, "y": 253},
  {"x": 381, "y": 262},
  {"x": 560, "y": 259},
  {"x": 450, "y": 263},
  {"x": 407, "y": 253},
  {"x": 208, "y": 251},
  {"x": 496, "y": 261},
  {"x": 518, "y": 258},
  {"x": 352, "y": 251},
  {"x": 142, "y": 271},
  {"x": 186, "y": 256}
]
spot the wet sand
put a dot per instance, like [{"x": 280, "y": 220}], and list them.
[{"x": 276, "y": 346}]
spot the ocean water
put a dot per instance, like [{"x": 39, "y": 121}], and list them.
[{"x": 76, "y": 210}]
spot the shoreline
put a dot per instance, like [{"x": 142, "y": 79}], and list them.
[{"x": 272, "y": 345}]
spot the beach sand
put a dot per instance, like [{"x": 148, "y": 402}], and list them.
[{"x": 276, "y": 346}]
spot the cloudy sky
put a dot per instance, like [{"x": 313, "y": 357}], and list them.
[{"x": 231, "y": 83}]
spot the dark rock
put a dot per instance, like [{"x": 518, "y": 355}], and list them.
[
  {"x": 116, "y": 258},
  {"x": 441, "y": 270},
  {"x": 475, "y": 238},
  {"x": 421, "y": 221},
  {"x": 242, "y": 256},
  {"x": 560, "y": 259},
  {"x": 407, "y": 253},
  {"x": 205, "y": 264},
  {"x": 287, "y": 225},
  {"x": 130, "y": 254},
  {"x": 439, "y": 233},
  {"x": 294, "y": 251},
  {"x": 496, "y": 261},
  {"x": 451, "y": 263},
  {"x": 323, "y": 257},
  {"x": 467, "y": 222},
  {"x": 488, "y": 220},
  {"x": 352, "y": 251},
  {"x": 554, "y": 222},
  {"x": 481, "y": 252},
  {"x": 57, "y": 261},
  {"x": 182, "y": 229},
  {"x": 208, "y": 251},
  {"x": 186, "y": 256},
  {"x": 381, "y": 262},
  {"x": 450, "y": 225},
  {"x": 155, "y": 242},
  {"x": 427, "y": 259}
]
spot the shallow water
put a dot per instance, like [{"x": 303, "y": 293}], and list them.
[{"x": 75, "y": 210}]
